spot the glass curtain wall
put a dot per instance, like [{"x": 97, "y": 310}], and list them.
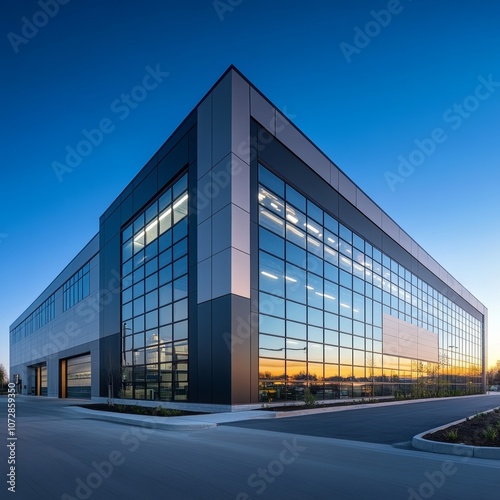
[
  {"x": 154, "y": 299},
  {"x": 323, "y": 292}
]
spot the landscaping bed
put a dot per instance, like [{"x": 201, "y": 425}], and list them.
[
  {"x": 308, "y": 406},
  {"x": 158, "y": 411},
  {"x": 483, "y": 429}
]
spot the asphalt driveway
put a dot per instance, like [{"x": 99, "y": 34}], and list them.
[{"x": 381, "y": 424}]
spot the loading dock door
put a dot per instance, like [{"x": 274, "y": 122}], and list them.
[{"x": 76, "y": 377}]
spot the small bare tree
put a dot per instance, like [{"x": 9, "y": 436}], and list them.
[
  {"x": 370, "y": 372},
  {"x": 113, "y": 376},
  {"x": 4, "y": 377}
]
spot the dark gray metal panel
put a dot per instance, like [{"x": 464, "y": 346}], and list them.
[
  {"x": 146, "y": 190},
  {"x": 254, "y": 344},
  {"x": 202, "y": 351},
  {"x": 145, "y": 171},
  {"x": 110, "y": 287},
  {"x": 188, "y": 123},
  {"x": 193, "y": 144},
  {"x": 358, "y": 222},
  {"x": 241, "y": 362},
  {"x": 127, "y": 191},
  {"x": 278, "y": 158},
  {"x": 176, "y": 159},
  {"x": 221, "y": 350},
  {"x": 127, "y": 208},
  {"x": 112, "y": 208},
  {"x": 112, "y": 226},
  {"x": 390, "y": 247}
]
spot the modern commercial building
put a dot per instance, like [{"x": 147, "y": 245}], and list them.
[{"x": 241, "y": 265}]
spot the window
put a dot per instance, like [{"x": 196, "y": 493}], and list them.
[
  {"x": 322, "y": 285},
  {"x": 77, "y": 287},
  {"x": 154, "y": 302}
]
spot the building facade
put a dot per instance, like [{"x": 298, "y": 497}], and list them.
[{"x": 241, "y": 266}]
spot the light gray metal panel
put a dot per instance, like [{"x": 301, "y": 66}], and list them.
[
  {"x": 334, "y": 176},
  {"x": 240, "y": 229},
  {"x": 368, "y": 208},
  {"x": 452, "y": 282},
  {"x": 221, "y": 119},
  {"x": 442, "y": 273},
  {"x": 414, "y": 248},
  {"x": 204, "y": 194},
  {"x": 405, "y": 240},
  {"x": 422, "y": 256},
  {"x": 221, "y": 273},
  {"x": 240, "y": 273},
  {"x": 390, "y": 227},
  {"x": 433, "y": 266},
  {"x": 240, "y": 117},
  {"x": 221, "y": 229},
  {"x": 477, "y": 303},
  {"x": 347, "y": 188},
  {"x": 221, "y": 176},
  {"x": 204, "y": 280},
  {"x": 204, "y": 136},
  {"x": 204, "y": 240},
  {"x": 240, "y": 179},
  {"x": 262, "y": 111}
]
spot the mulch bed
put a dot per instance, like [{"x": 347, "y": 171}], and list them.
[
  {"x": 139, "y": 410},
  {"x": 302, "y": 406},
  {"x": 481, "y": 430}
]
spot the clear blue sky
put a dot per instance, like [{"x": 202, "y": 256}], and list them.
[{"x": 363, "y": 99}]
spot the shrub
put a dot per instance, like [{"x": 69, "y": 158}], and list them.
[
  {"x": 490, "y": 433},
  {"x": 165, "y": 412},
  {"x": 451, "y": 435},
  {"x": 309, "y": 398}
]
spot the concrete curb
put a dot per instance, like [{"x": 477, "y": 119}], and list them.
[{"x": 462, "y": 450}]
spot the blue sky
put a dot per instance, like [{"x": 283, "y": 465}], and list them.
[{"x": 363, "y": 86}]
